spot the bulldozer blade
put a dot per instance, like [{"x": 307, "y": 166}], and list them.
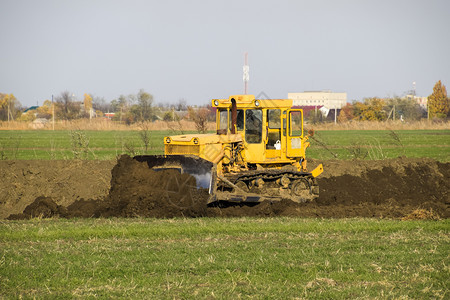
[{"x": 201, "y": 169}]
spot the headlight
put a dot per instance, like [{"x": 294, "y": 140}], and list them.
[
  {"x": 196, "y": 141},
  {"x": 256, "y": 103},
  {"x": 168, "y": 140},
  {"x": 216, "y": 103}
]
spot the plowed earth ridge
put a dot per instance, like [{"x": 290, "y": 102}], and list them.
[{"x": 394, "y": 188}]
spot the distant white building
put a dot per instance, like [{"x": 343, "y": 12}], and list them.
[
  {"x": 327, "y": 99},
  {"x": 422, "y": 101}
]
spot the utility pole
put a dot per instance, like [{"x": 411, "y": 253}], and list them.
[
  {"x": 246, "y": 76},
  {"x": 53, "y": 115},
  {"x": 335, "y": 113}
]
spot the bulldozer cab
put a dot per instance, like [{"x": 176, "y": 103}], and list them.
[{"x": 270, "y": 129}]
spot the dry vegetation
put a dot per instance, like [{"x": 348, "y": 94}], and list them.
[
  {"x": 103, "y": 124},
  {"x": 387, "y": 125},
  {"x": 185, "y": 125}
]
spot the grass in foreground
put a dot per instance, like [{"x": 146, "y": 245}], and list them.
[{"x": 224, "y": 258}]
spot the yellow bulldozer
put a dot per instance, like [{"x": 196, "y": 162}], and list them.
[{"x": 257, "y": 153}]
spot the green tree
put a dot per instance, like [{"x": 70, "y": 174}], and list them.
[
  {"x": 120, "y": 104},
  {"x": 121, "y": 107},
  {"x": 169, "y": 116},
  {"x": 438, "y": 102},
  {"x": 144, "y": 102},
  {"x": 408, "y": 108},
  {"x": 134, "y": 108}
]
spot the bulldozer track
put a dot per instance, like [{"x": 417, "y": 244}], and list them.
[
  {"x": 273, "y": 176},
  {"x": 299, "y": 186}
]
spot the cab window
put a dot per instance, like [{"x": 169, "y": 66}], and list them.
[
  {"x": 223, "y": 120},
  {"x": 274, "y": 130},
  {"x": 239, "y": 120},
  {"x": 295, "y": 127},
  {"x": 274, "y": 118},
  {"x": 253, "y": 126}
]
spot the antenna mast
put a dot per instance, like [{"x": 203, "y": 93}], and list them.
[{"x": 246, "y": 77}]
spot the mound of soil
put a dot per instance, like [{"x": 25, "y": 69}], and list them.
[
  {"x": 42, "y": 207},
  {"x": 395, "y": 188},
  {"x": 137, "y": 190},
  {"x": 64, "y": 181}
]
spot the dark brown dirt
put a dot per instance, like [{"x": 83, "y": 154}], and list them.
[
  {"x": 395, "y": 188},
  {"x": 64, "y": 181},
  {"x": 137, "y": 190},
  {"x": 43, "y": 207}
]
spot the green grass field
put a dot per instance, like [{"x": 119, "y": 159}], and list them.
[
  {"x": 102, "y": 145},
  {"x": 106, "y": 145},
  {"x": 270, "y": 258},
  {"x": 380, "y": 144}
]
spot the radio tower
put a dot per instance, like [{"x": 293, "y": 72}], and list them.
[{"x": 246, "y": 77}]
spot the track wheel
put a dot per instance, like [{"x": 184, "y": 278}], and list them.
[
  {"x": 301, "y": 190},
  {"x": 242, "y": 185},
  {"x": 180, "y": 190}
]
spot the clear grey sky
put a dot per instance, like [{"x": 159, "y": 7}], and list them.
[{"x": 195, "y": 49}]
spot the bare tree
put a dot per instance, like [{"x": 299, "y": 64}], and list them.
[
  {"x": 145, "y": 134},
  {"x": 200, "y": 118},
  {"x": 67, "y": 108},
  {"x": 181, "y": 105},
  {"x": 99, "y": 103}
]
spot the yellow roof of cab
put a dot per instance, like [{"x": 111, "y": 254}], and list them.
[{"x": 249, "y": 101}]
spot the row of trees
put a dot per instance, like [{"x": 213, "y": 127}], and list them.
[
  {"x": 140, "y": 107},
  {"x": 127, "y": 108},
  {"x": 132, "y": 108},
  {"x": 378, "y": 109}
]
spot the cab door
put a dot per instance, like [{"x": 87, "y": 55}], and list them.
[
  {"x": 294, "y": 133},
  {"x": 273, "y": 133}
]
